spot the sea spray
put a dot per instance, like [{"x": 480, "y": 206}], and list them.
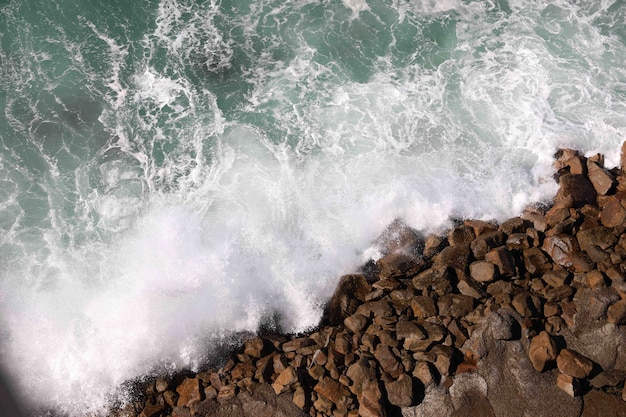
[{"x": 172, "y": 172}]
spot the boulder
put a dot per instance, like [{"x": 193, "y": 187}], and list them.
[
  {"x": 436, "y": 278},
  {"x": 501, "y": 258},
  {"x": 564, "y": 250},
  {"x": 613, "y": 213},
  {"x": 350, "y": 293},
  {"x": 484, "y": 243},
  {"x": 600, "y": 178},
  {"x": 455, "y": 305},
  {"x": 189, "y": 392},
  {"x": 388, "y": 361},
  {"x": 461, "y": 236},
  {"x": 355, "y": 323},
  {"x": 456, "y": 257},
  {"x": 370, "y": 400},
  {"x": 400, "y": 391},
  {"x": 569, "y": 385},
  {"x": 616, "y": 313},
  {"x": 360, "y": 372},
  {"x": 400, "y": 265},
  {"x": 423, "y": 307},
  {"x": 578, "y": 188}
]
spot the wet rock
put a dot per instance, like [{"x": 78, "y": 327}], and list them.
[
  {"x": 515, "y": 225},
  {"x": 461, "y": 236},
  {"x": 151, "y": 410},
  {"x": 400, "y": 391},
  {"x": 564, "y": 250},
  {"x": 400, "y": 265},
  {"x": 355, "y": 323},
  {"x": 399, "y": 237},
  {"x": 350, "y": 293},
  {"x": 481, "y": 227},
  {"x": 542, "y": 351},
  {"x": 456, "y": 257},
  {"x": 188, "y": 392},
  {"x": 518, "y": 241},
  {"x": 578, "y": 188},
  {"x": 436, "y": 278},
  {"x": 601, "y": 179},
  {"x": 535, "y": 261},
  {"x": 484, "y": 243},
  {"x": 432, "y": 245},
  {"x": 573, "y": 363}
]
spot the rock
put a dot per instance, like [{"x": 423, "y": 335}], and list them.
[
  {"x": 409, "y": 330},
  {"x": 616, "y": 313},
  {"x": 400, "y": 391},
  {"x": 469, "y": 288},
  {"x": 355, "y": 323},
  {"x": 151, "y": 410},
  {"x": 483, "y": 271},
  {"x": 535, "y": 261},
  {"x": 161, "y": 385},
  {"x": 542, "y": 351},
  {"x": 332, "y": 390},
  {"x": 360, "y": 372},
  {"x": 226, "y": 392},
  {"x": 481, "y": 227},
  {"x": 578, "y": 187},
  {"x": 522, "y": 303},
  {"x": 600, "y": 237},
  {"x": 399, "y": 237},
  {"x": 299, "y": 398},
  {"x": 568, "y": 384},
  {"x": 564, "y": 250},
  {"x": 350, "y": 292},
  {"x": 594, "y": 280},
  {"x": 502, "y": 258},
  {"x": 323, "y": 405},
  {"x": 295, "y": 344},
  {"x": 573, "y": 363},
  {"x": 503, "y": 326},
  {"x": 456, "y": 257},
  {"x": 556, "y": 279},
  {"x": 188, "y": 392},
  {"x": 484, "y": 243},
  {"x": 257, "y": 347},
  {"x": 515, "y": 225},
  {"x": 432, "y": 245},
  {"x": 518, "y": 241},
  {"x": 601, "y": 179},
  {"x": 436, "y": 278},
  {"x": 455, "y": 305},
  {"x": 400, "y": 265},
  {"x": 370, "y": 400},
  {"x": 423, "y": 307},
  {"x": 461, "y": 236},
  {"x": 386, "y": 284},
  {"x": 601, "y": 404},
  {"x": 613, "y": 214},
  {"x": 426, "y": 373},
  {"x": 171, "y": 398},
  {"x": 284, "y": 379},
  {"x": 387, "y": 360}
]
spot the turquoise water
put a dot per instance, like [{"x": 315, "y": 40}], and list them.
[{"x": 173, "y": 171}]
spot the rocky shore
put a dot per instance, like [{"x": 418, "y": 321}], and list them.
[{"x": 522, "y": 318}]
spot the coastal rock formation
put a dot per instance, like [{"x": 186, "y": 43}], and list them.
[{"x": 522, "y": 318}]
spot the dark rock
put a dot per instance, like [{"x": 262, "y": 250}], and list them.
[
  {"x": 455, "y": 305},
  {"x": 456, "y": 257},
  {"x": 578, "y": 187},
  {"x": 436, "y": 278},
  {"x": 515, "y": 225},
  {"x": 481, "y": 227},
  {"x": 355, "y": 323},
  {"x": 399, "y": 237},
  {"x": 432, "y": 245},
  {"x": 423, "y": 307},
  {"x": 387, "y": 360},
  {"x": 400, "y": 265},
  {"x": 613, "y": 213},
  {"x": 350, "y": 293},
  {"x": 484, "y": 243},
  {"x": 564, "y": 250},
  {"x": 461, "y": 236},
  {"x": 601, "y": 179},
  {"x": 370, "y": 400},
  {"x": 601, "y": 404},
  {"x": 502, "y": 258}
]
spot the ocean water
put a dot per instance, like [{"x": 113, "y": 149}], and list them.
[{"x": 173, "y": 172}]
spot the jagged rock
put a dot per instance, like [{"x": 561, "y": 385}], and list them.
[
  {"x": 535, "y": 261},
  {"x": 461, "y": 236},
  {"x": 573, "y": 363},
  {"x": 295, "y": 344},
  {"x": 556, "y": 279},
  {"x": 409, "y": 330},
  {"x": 481, "y": 227},
  {"x": 518, "y": 241},
  {"x": 501, "y": 258},
  {"x": 332, "y": 390},
  {"x": 568, "y": 384},
  {"x": 370, "y": 400},
  {"x": 188, "y": 392},
  {"x": 594, "y": 280},
  {"x": 483, "y": 271},
  {"x": 355, "y": 323},
  {"x": 503, "y": 326},
  {"x": 388, "y": 361},
  {"x": 284, "y": 379},
  {"x": 514, "y": 225},
  {"x": 151, "y": 410},
  {"x": 350, "y": 293},
  {"x": 400, "y": 391},
  {"x": 426, "y": 373},
  {"x": 542, "y": 351},
  {"x": 171, "y": 398},
  {"x": 600, "y": 237},
  {"x": 226, "y": 392},
  {"x": 432, "y": 245},
  {"x": 613, "y": 213},
  {"x": 601, "y": 179},
  {"x": 423, "y": 307},
  {"x": 400, "y": 265},
  {"x": 598, "y": 403},
  {"x": 360, "y": 372},
  {"x": 469, "y": 288},
  {"x": 564, "y": 250},
  {"x": 456, "y": 257},
  {"x": 616, "y": 313},
  {"x": 386, "y": 284},
  {"x": 484, "y": 243},
  {"x": 399, "y": 237},
  {"x": 578, "y": 187},
  {"x": 299, "y": 398},
  {"x": 436, "y": 278},
  {"x": 455, "y": 305}
]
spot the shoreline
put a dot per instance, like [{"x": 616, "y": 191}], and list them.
[{"x": 488, "y": 319}]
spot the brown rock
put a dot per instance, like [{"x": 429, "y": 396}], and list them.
[
  {"x": 573, "y": 363},
  {"x": 481, "y": 227},
  {"x": 601, "y": 179},
  {"x": 171, "y": 398},
  {"x": 564, "y": 250},
  {"x": 432, "y": 245},
  {"x": 542, "y": 351},
  {"x": 256, "y": 347},
  {"x": 569, "y": 385},
  {"x": 295, "y": 344},
  {"x": 501, "y": 258},
  {"x": 332, "y": 390},
  {"x": 400, "y": 391},
  {"x": 483, "y": 271},
  {"x": 455, "y": 305},
  {"x": 461, "y": 236},
  {"x": 387, "y": 360},
  {"x": 370, "y": 400},
  {"x": 515, "y": 225},
  {"x": 518, "y": 241},
  {"x": 425, "y": 372},
  {"x": 523, "y": 304},
  {"x": 151, "y": 410},
  {"x": 595, "y": 279},
  {"x": 613, "y": 214},
  {"x": 188, "y": 392},
  {"x": 616, "y": 314},
  {"x": 598, "y": 403},
  {"x": 323, "y": 405},
  {"x": 350, "y": 293},
  {"x": 226, "y": 392},
  {"x": 556, "y": 278},
  {"x": 456, "y": 257},
  {"x": 436, "y": 278},
  {"x": 387, "y": 284},
  {"x": 400, "y": 265},
  {"x": 578, "y": 187},
  {"x": 355, "y": 323},
  {"x": 423, "y": 307},
  {"x": 535, "y": 261},
  {"x": 409, "y": 330},
  {"x": 360, "y": 372},
  {"x": 284, "y": 379},
  {"x": 484, "y": 243},
  {"x": 600, "y": 237},
  {"x": 299, "y": 398},
  {"x": 398, "y": 237}
]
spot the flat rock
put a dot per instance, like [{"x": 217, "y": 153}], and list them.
[
  {"x": 573, "y": 363},
  {"x": 483, "y": 271},
  {"x": 400, "y": 391}
]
